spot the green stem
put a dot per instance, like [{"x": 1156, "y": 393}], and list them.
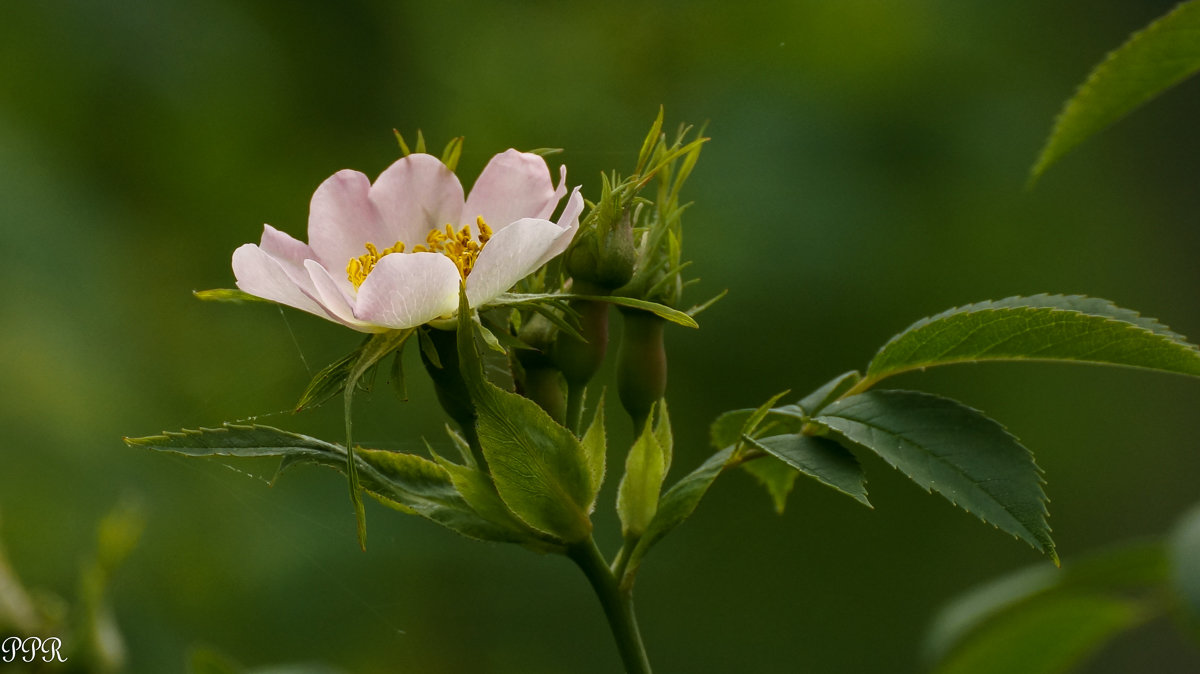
[{"x": 617, "y": 604}]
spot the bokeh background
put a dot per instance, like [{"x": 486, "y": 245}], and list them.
[{"x": 867, "y": 168}]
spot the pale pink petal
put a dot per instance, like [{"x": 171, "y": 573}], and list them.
[
  {"x": 342, "y": 217},
  {"x": 414, "y": 195},
  {"x": 512, "y": 186},
  {"x": 405, "y": 290},
  {"x": 334, "y": 298},
  {"x": 514, "y": 253},
  {"x": 290, "y": 254},
  {"x": 568, "y": 220},
  {"x": 264, "y": 276}
]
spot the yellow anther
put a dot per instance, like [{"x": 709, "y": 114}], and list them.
[{"x": 460, "y": 247}]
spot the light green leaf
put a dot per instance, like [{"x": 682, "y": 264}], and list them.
[
  {"x": 1042, "y": 327},
  {"x": 228, "y": 295},
  {"x": 1151, "y": 61},
  {"x": 820, "y": 458},
  {"x": 729, "y": 427},
  {"x": 952, "y": 449},
  {"x": 1052, "y": 639},
  {"x": 675, "y": 506},
  {"x": 418, "y": 485},
  {"x": 664, "y": 436},
  {"x": 637, "y": 495},
  {"x": 775, "y": 476},
  {"x": 595, "y": 448},
  {"x": 537, "y": 465},
  {"x": 1184, "y": 549},
  {"x": 478, "y": 491},
  {"x": 1138, "y": 568},
  {"x": 537, "y": 299}
]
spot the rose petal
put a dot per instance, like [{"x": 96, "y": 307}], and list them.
[
  {"x": 405, "y": 290},
  {"x": 413, "y": 196},
  {"x": 513, "y": 253},
  {"x": 512, "y": 186},
  {"x": 342, "y": 217},
  {"x": 568, "y": 220},
  {"x": 334, "y": 298},
  {"x": 290, "y": 254},
  {"x": 263, "y": 276}
]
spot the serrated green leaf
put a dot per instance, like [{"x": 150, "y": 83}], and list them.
[
  {"x": 417, "y": 484},
  {"x": 1042, "y": 327},
  {"x": 947, "y": 447},
  {"x": 775, "y": 476},
  {"x": 1132, "y": 569},
  {"x": 1184, "y": 550},
  {"x": 637, "y": 495},
  {"x": 728, "y": 428},
  {"x": 537, "y": 465},
  {"x": 228, "y": 295},
  {"x": 819, "y": 458},
  {"x": 1050, "y": 639},
  {"x": 675, "y": 506},
  {"x": 595, "y": 449},
  {"x": 1151, "y": 61}
]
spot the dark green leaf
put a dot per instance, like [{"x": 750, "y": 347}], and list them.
[
  {"x": 675, "y": 506},
  {"x": 730, "y": 426},
  {"x": 1042, "y": 327},
  {"x": 819, "y": 458},
  {"x": 1150, "y": 62},
  {"x": 479, "y": 492},
  {"x": 952, "y": 449}
]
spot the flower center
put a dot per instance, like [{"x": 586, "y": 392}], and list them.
[{"x": 458, "y": 246}]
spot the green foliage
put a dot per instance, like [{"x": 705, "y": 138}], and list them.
[
  {"x": 637, "y": 495},
  {"x": 1045, "y": 620},
  {"x": 405, "y": 481},
  {"x": 1042, "y": 327},
  {"x": 537, "y": 465},
  {"x": 777, "y": 477},
  {"x": 952, "y": 449},
  {"x": 594, "y": 444},
  {"x": 819, "y": 458},
  {"x": 675, "y": 506},
  {"x": 1184, "y": 551},
  {"x": 1151, "y": 61}
]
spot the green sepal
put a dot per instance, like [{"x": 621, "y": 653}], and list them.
[
  {"x": 1041, "y": 327},
  {"x": 376, "y": 348},
  {"x": 537, "y": 465},
  {"x": 947, "y": 447},
  {"x": 637, "y": 495},
  {"x": 535, "y": 299},
  {"x": 675, "y": 506},
  {"x": 594, "y": 444},
  {"x": 228, "y": 295},
  {"x": 1150, "y": 62},
  {"x": 664, "y": 435},
  {"x": 452, "y": 153},
  {"x": 819, "y": 458},
  {"x": 331, "y": 380}
]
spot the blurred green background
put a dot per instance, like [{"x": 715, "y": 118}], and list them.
[{"x": 867, "y": 168}]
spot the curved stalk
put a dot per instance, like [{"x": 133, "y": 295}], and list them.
[{"x": 616, "y": 602}]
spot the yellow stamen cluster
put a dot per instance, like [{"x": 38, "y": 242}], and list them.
[
  {"x": 458, "y": 246},
  {"x": 362, "y": 265}
]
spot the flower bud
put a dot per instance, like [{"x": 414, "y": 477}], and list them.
[
  {"x": 602, "y": 253},
  {"x": 641, "y": 364},
  {"x": 540, "y": 380}
]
